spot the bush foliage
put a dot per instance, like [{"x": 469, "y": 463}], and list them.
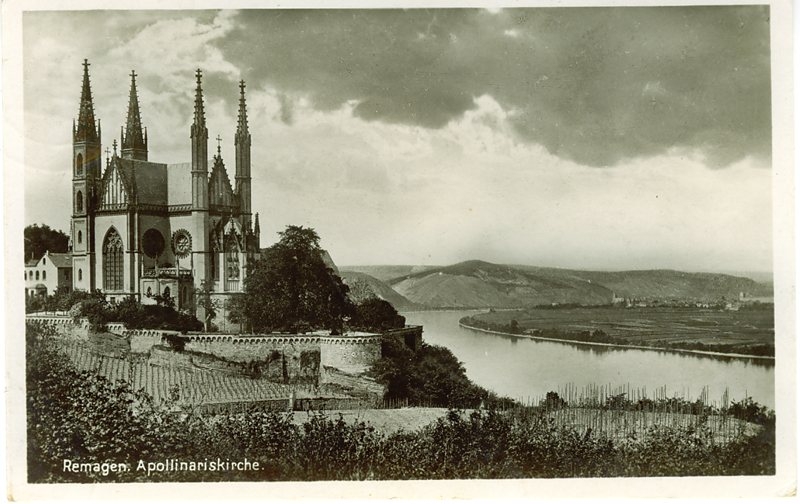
[
  {"x": 85, "y": 418},
  {"x": 430, "y": 375},
  {"x": 129, "y": 311}
]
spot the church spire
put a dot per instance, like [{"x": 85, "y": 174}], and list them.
[
  {"x": 85, "y": 130},
  {"x": 199, "y": 135},
  {"x": 86, "y": 171},
  {"x": 242, "y": 142},
  {"x": 241, "y": 128},
  {"x": 199, "y": 112},
  {"x": 134, "y": 143}
]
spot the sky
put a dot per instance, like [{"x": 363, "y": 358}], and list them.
[{"x": 594, "y": 138}]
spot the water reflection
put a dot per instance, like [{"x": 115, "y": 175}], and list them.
[
  {"x": 520, "y": 367},
  {"x": 602, "y": 349}
]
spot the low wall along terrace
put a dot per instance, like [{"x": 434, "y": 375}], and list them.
[
  {"x": 286, "y": 357},
  {"x": 351, "y": 354}
]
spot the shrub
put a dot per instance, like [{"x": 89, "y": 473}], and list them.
[
  {"x": 175, "y": 342},
  {"x": 431, "y": 375},
  {"x": 86, "y": 418},
  {"x": 376, "y": 315}
]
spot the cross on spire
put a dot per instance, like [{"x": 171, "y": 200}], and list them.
[
  {"x": 199, "y": 113},
  {"x": 242, "y": 131},
  {"x": 219, "y": 145},
  {"x": 114, "y": 143}
]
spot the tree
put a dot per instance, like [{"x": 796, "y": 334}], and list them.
[
  {"x": 208, "y": 304},
  {"x": 375, "y": 314},
  {"x": 41, "y": 238},
  {"x": 360, "y": 291},
  {"x": 291, "y": 288}
]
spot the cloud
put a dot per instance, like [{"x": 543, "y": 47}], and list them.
[
  {"x": 286, "y": 110},
  {"x": 434, "y": 136},
  {"x": 595, "y": 85}
]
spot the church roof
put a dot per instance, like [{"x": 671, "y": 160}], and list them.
[
  {"x": 145, "y": 180},
  {"x": 149, "y": 179},
  {"x": 219, "y": 185},
  {"x": 179, "y": 183}
]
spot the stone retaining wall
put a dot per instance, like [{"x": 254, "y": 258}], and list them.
[{"x": 282, "y": 357}]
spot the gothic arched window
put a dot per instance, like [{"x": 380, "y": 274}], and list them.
[
  {"x": 214, "y": 257},
  {"x": 80, "y": 236},
  {"x": 232, "y": 255},
  {"x": 79, "y": 201},
  {"x": 112, "y": 261},
  {"x": 44, "y": 275},
  {"x": 37, "y": 275},
  {"x": 79, "y": 164},
  {"x": 80, "y": 274}
]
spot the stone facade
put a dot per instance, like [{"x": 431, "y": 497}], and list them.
[{"x": 143, "y": 228}]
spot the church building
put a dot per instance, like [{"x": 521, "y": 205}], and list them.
[{"x": 147, "y": 229}]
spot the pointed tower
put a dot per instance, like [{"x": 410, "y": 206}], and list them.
[
  {"x": 200, "y": 221},
  {"x": 86, "y": 167},
  {"x": 242, "y": 143},
  {"x": 257, "y": 233},
  {"x": 134, "y": 141},
  {"x": 199, "y": 135}
]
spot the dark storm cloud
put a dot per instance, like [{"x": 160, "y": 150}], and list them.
[
  {"x": 287, "y": 109},
  {"x": 595, "y": 85}
]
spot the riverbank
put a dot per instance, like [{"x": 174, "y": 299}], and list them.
[{"x": 623, "y": 346}]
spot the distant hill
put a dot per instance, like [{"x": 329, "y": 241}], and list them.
[
  {"x": 473, "y": 284},
  {"x": 362, "y": 284},
  {"x": 385, "y": 273},
  {"x": 762, "y": 277},
  {"x": 666, "y": 284}
]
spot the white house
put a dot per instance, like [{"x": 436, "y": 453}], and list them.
[{"x": 45, "y": 276}]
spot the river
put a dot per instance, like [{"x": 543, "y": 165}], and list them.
[{"x": 524, "y": 368}]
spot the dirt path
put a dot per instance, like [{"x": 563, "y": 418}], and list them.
[{"x": 384, "y": 420}]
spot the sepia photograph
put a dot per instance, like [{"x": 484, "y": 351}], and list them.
[{"x": 402, "y": 244}]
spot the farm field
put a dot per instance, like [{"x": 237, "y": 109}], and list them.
[
  {"x": 649, "y": 325},
  {"x": 614, "y": 424}
]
